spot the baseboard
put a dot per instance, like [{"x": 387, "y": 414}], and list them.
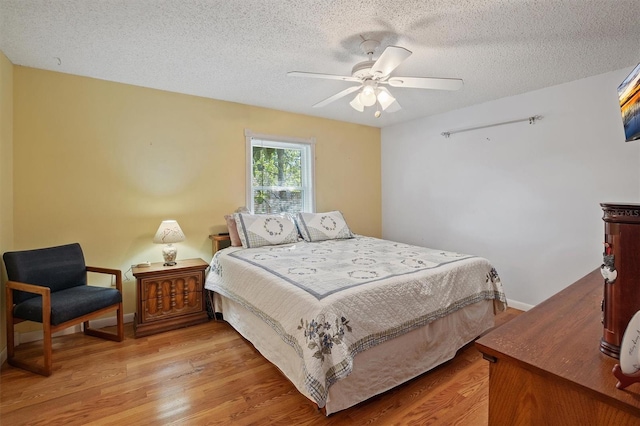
[
  {"x": 107, "y": 322},
  {"x": 33, "y": 336},
  {"x": 519, "y": 305}
]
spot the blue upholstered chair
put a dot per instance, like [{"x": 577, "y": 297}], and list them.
[{"x": 49, "y": 286}]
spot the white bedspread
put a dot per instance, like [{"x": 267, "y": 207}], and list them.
[{"x": 330, "y": 300}]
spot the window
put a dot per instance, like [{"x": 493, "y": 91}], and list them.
[{"x": 279, "y": 174}]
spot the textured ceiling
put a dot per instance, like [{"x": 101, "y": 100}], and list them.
[{"x": 241, "y": 50}]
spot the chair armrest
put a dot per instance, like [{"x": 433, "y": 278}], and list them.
[
  {"x": 45, "y": 292},
  {"x": 29, "y": 288},
  {"x": 116, "y": 272}
]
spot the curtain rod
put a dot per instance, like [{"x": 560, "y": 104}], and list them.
[{"x": 531, "y": 120}]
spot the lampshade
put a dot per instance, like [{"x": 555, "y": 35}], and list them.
[
  {"x": 168, "y": 233},
  {"x": 385, "y": 98},
  {"x": 368, "y": 96},
  {"x": 356, "y": 104}
]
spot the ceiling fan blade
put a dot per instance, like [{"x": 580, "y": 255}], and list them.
[
  {"x": 324, "y": 76},
  {"x": 337, "y": 96},
  {"x": 426, "y": 83},
  {"x": 389, "y": 60}
]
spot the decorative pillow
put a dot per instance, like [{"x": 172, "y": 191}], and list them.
[
  {"x": 323, "y": 226},
  {"x": 233, "y": 231},
  {"x": 258, "y": 230}
]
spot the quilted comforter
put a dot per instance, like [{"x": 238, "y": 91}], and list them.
[{"x": 332, "y": 299}]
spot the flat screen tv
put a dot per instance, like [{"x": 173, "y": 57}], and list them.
[{"x": 629, "y": 95}]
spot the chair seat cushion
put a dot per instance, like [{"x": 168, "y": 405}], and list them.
[{"x": 68, "y": 304}]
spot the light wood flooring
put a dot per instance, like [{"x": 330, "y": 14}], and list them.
[{"x": 208, "y": 374}]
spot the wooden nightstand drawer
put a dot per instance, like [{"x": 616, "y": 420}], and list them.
[{"x": 170, "y": 297}]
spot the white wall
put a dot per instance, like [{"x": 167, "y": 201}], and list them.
[{"x": 524, "y": 196}]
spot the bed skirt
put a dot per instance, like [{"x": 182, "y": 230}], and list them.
[{"x": 377, "y": 369}]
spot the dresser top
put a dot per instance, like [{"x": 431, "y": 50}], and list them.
[
  {"x": 180, "y": 266},
  {"x": 561, "y": 337}
]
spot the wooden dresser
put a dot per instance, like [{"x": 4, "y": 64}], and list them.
[
  {"x": 546, "y": 367},
  {"x": 169, "y": 297},
  {"x": 622, "y": 295}
]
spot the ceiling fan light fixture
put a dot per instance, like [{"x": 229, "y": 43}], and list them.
[
  {"x": 368, "y": 95},
  {"x": 385, "y": 98},
  {"x": 367, "y": 99},
  {"x": 356, "y": 104}
]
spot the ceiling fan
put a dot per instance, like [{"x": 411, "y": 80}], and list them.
[{"x": 372, "y": 76}]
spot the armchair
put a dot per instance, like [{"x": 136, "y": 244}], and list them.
[{"x": 49, "y": 286}]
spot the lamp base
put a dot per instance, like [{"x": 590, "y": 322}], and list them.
[{"x": 169, "y": 252}]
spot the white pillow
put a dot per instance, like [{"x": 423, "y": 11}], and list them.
[
  {"x": 323, "y": 226},
  {"x": 256, "y": 230}
]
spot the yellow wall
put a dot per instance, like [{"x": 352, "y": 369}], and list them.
[
  {"x": 103, "y": 163},
  {"x": 6, "y": 177}
]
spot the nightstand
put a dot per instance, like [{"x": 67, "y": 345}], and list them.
[
  {"x": 169, "y": 297},
  {"x": 219, "y": 241}
]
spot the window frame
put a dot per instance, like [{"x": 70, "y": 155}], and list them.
[{"x": 308, "y": 162}]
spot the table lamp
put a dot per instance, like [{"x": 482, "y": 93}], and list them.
[{"x": 168, "y": 233}]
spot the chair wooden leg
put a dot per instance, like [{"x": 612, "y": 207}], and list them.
[
  {"x": 46, "y": 369},
  {"x": 118, "y": 336},
  {"x": 102, "y": 334},
  {"x": 10, "y": 324},
  {"x": 47, "y": 346},
  {"x": 30, "y": 367},
  {"x": 120, "y": 319}
]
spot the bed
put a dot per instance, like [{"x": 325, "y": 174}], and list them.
[{"x": 347, "y": 318}]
